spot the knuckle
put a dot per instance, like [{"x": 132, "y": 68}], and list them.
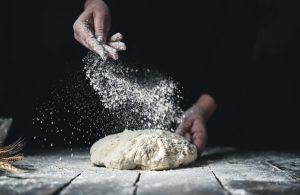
[
  {"x": 75, "y": 26},
  {"x": 99, "y": 29}
]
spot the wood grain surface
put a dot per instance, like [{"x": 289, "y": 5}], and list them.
[{"x": 218, "y": 171}]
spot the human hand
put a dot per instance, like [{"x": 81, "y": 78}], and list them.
[
  {"x": 193, "y": 127},
  {"x": 193, "y": 122},
  {"x": 91, "y": 29}
]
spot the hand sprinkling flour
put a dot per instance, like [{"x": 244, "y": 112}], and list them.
[
  {"x": 91, "y": 29},
  {"x": 98, "y": 45},
  {"x": 150, "y": 102}
]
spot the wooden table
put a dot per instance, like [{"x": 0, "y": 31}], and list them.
[{"x": 218, "y": 171}]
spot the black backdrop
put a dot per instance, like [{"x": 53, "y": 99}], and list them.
[{"x": 244, "y": 53}]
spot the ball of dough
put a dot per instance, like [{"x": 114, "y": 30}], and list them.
[{"x": 148, "y": 149}]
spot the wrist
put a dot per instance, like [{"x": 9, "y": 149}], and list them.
[
  {"x": 88, "y": 2},
  {"x": 206, "y": 106}
]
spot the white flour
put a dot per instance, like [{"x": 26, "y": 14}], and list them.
[
  {"x": 145, "y": 101},
  {"x": 103, "y": 99}
]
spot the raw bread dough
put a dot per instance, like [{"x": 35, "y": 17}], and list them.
[{"x": 147, "y": 149}]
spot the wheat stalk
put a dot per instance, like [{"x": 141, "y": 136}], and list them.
[
  {"x": 11, "y": 153},
  {"x": 5, "y": 166}
]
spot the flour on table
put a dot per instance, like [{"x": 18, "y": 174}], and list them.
[{"x": 148, "y": 149}]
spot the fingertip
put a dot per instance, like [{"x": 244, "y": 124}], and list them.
[
  {"x": 116, "y": 37},
  {"x": 115, "y": 56},
  {"x": 100, "y": 51},
  {"x": 113, "y": 53},
  {"x": 103, "y": 57},
  {"x": 199, "y": 141},
  {"x": 179, "y": 132},
  {"x": 102, "y": 54},
  {"x": 188, "y": 136},
  {"x": 120, "y": 46}
]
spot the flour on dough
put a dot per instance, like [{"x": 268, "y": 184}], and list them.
[{"x": 148, "y": 149}]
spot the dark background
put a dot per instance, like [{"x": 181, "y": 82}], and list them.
[{"x": 244, "y": 53}]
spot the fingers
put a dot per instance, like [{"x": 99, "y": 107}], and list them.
[
  {"x": 119, "y": 46},
  {"x": 198, "y": 133},
  {"x": 101, "y": 26},
  {"x": 112, "y": 52},
  {"x": 180, "y": 130},
  {"x": 184, "y": 125},
  {"x": 83, "y": 33},
  {"x": 98, "y": 48},
  {"x": 194, "y": 133},
  {"x": 88, "y": 44},
  {"x": 183, "y": 130},
  {"x": 114, "y": 45},
  {"x": 115, "y": 42},
  {"x": 116, "y": 37}
]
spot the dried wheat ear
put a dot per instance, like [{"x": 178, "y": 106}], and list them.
[{"x": 10, "y": 154}]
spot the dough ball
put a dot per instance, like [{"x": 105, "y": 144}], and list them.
[{"x": 148, "y": 149}]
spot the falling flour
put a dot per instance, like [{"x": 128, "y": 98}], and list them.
[
  {"x": 105, "y": 98},
  {"x": 137, "y": 97}
]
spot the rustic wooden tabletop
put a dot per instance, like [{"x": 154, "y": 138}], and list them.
[{"x": 218, "y": 171}]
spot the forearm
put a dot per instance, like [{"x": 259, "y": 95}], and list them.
[
  {"x": 87, "y": 2},
  {"x": 206, "y": 105}
]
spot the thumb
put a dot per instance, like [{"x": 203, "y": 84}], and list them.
[
  {"x": 101, "y": 26},
  {"x": 182, "y": 128},
  {"x": 179, "y": 130}
]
